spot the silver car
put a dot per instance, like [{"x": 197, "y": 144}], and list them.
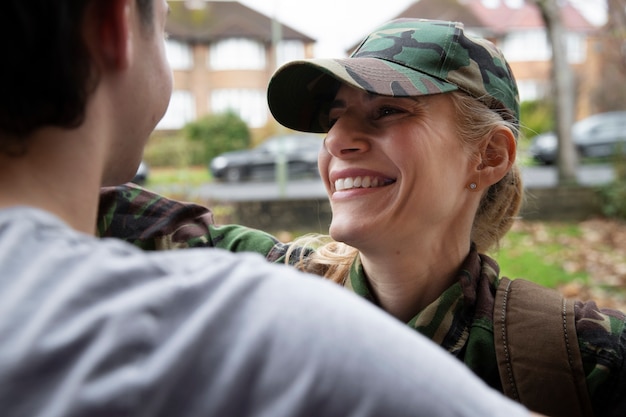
[{"x": 599, "y": 136}]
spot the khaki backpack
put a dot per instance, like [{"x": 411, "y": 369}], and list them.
[{"x": 537, "y": 350}]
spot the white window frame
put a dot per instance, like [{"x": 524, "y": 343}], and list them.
[
  {"x": 179, "y": 54},
  {"x": 237, "y": 54},
  {"x": 576, "y": 44},
  {"x": 530, "y": 90},
  {"x": 526, "y": 45},
  {"x": 289, "y": 50},
  {"x": 181, "y": 110},
  {"x": 249, "y": 104}
]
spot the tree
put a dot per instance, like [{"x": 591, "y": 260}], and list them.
[
  {"x": 563, "y": 86},
  {"x": 609, "y": 89}
]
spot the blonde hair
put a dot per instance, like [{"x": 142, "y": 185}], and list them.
[{"x": 496, "y": 213}]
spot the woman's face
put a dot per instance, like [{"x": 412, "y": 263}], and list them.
[{"x": 395, "y": 169}]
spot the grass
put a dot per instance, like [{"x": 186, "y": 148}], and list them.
[
  {"x": 535, "y": 252},
  {"x": 188, "y": 176}
]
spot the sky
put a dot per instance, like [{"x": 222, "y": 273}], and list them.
[{"x": 339, "y": 24}]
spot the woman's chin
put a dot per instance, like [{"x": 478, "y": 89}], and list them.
[{"x": 347, "y": 233}]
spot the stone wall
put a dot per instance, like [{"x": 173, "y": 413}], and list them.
[
  {"x": 550, "y": 204},
  {"x": 561, "y": 204}
]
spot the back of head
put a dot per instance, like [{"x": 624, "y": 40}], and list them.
[{"x": 47, "y": 69}]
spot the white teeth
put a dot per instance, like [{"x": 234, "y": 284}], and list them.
[{"x": 357, "y": 182}]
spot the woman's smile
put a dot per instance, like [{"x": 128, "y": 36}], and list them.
[
  {"x": 366, "y": 181},
  {"x": 356, "y": 180}
]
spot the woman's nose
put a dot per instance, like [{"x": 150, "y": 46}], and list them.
[{"x": 347, "y": 137}]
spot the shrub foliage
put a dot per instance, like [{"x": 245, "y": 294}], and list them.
[{"x": 218, "y": 133}]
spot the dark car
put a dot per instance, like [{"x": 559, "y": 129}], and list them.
[
  {"x": 599, "y": 136},
  {"x": 299, "y": 152}
]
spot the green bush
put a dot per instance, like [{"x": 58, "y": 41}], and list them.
[
  {"x": 614, "y": 200},
  {"x": 218, "y": 133},
  {"x": 536, "y": 117},
  {"x": 613, "y": 195},
  {"x": 172, "y": 151}
]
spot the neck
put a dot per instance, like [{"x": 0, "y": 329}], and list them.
[
  {"x": 406, "y": 283},
  {"x": 56, "y": 174}
]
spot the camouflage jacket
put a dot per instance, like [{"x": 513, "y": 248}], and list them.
[{"x": 460, "y": 320}]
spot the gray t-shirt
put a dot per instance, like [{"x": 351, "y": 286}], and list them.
[{"x": 94, "y": 327}]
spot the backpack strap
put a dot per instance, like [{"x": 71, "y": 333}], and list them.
[{"x": 537, "y": 350}]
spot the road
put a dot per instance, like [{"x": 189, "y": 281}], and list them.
[
  {"x": 547, "y": 176},
  {"x": 534, "y": 177}
]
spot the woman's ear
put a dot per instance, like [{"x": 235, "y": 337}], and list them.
[
  {"x": 113, "y": 32},
  {"x": 497, "y": 156}
]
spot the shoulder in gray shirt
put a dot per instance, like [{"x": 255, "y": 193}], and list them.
[{"x": 94, "y": 327}]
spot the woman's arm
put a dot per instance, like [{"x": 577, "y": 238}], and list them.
[{"x": 154, "y": 222}]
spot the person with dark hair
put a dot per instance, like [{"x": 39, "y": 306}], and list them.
[
  {"x": 97, "y": 327},
  {"x": 421, "y": 125}
]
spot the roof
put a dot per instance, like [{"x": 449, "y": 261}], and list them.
[
  {"x": 452, "y": 10},
  {"x": 498, "y": 20},
  {"x": 214, "y": 20}
]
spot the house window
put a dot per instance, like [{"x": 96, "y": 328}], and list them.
[
  {"x": 514, "y": 4},
  {"x": 530, "y": 90},
  {"x": 491, "y": 4},
  {"x": 527, "y": 45},
  {"x": 182, "y": 109},
  {"x": 179, "y": 55},
  {"x": 237, "y": 54},
  {"x": 532, "y": 45},
  {"x": 249, "y": 104},
  {"x": 289, "y": 51},
  {"x": 576, "y": 48}
]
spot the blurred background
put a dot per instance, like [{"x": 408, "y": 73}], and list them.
[{"x": 219, "y": 145}]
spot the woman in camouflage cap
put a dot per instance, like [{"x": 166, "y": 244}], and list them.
[
  {"x": 418, "y": 160},
  {"x": 421, "y": 125}
]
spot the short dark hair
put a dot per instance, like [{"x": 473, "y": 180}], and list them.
[{"x": 47, "y": 75}]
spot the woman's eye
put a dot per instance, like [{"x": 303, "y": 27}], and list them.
[
  {"x": 331, "y": 118},
  {"x": 387, "y": 111},
  {"x": 326, "y": 122},
  {"x": 326, "y": 119}
]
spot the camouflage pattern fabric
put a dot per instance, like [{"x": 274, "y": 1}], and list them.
[
  {"x": 151, "y": 222},
  {"x": 403, "y": 58},
  {"x": 460, "y": 320}
]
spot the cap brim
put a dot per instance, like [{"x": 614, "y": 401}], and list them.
[{"x": 299, "y": 90}]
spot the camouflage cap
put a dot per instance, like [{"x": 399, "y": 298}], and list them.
[{"x": 402, "y": 58}]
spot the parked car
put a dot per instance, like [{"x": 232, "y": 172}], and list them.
[
  {"x": 299, "y": 150},
  {"x": 141, "y": 176},
  {"x": 599, "y": 136}
]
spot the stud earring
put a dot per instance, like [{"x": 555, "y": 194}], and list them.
[{"x": 473, "y": 186}]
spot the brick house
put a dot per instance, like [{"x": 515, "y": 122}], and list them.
[
  {"x": 222, "y": 55},
  {"x": 517, "y": 28}
]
